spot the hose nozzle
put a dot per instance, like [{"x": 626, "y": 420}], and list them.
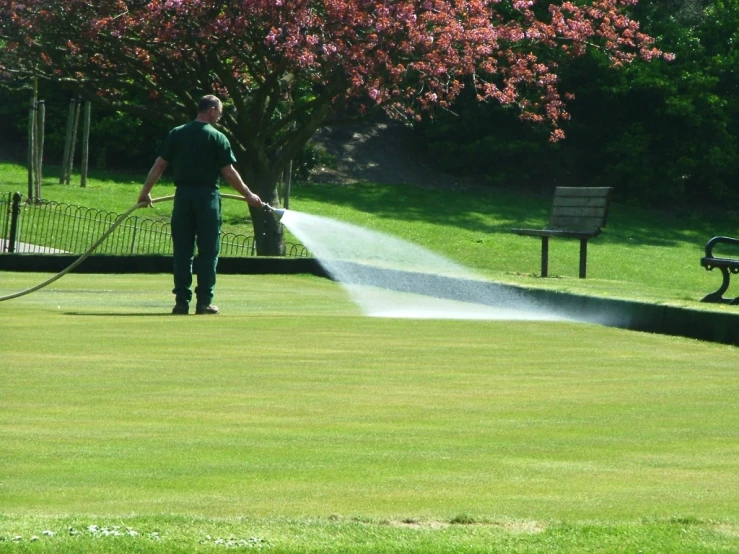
[{"x": 279, "y": 212}]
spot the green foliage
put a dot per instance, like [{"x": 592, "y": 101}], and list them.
[
  {"x": 124, "y": 140},
  {"x": 488, "y": 140},
  {"x": 117, "y": 140},
  {"x": 310, "y": 157},
  {"x": 677, "y": 140},
  {"x": 661, "y": 133}
]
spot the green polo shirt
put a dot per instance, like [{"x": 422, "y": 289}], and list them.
[{"x": 197, "y": 152}]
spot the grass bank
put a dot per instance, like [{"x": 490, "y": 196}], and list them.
[{"x": 643, "y": 255}]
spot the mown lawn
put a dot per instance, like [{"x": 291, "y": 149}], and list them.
[{"x": 292, "y": 424}]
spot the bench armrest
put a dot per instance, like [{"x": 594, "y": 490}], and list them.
[{"x": 716, "y": 240}]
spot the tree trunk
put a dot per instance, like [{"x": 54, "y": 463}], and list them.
[
  {"x": 268, "y": 233},
  {"x": 269, "y": 236}
]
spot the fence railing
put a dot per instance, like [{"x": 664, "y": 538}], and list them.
[{"x": 53, "y": 227}]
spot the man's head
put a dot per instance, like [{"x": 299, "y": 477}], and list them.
[{"x": 210, "y": 109}]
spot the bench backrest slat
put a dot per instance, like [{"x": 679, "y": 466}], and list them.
[
  {"x": 580, "y": 207},
  {"x": 582, "y": 202},
  {"x": 582, "y": 192}
]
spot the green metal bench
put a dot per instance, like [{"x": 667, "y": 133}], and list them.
[
  {"x": 577, "y": 213},
  {"x": 727, "y": 266}
]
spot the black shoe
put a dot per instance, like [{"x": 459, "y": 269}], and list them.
[
  {"x": 181, "y": 309},
  {"x": 206, "y": 309}
]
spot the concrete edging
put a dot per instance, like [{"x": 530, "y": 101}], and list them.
[
  {"x": 720, "y": 327},
  {"x": 55, "y": 263}
]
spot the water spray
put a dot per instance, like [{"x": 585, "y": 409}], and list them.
[{"x": 277, "y": 211}]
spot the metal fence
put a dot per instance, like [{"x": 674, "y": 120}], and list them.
[{"x": 53, "y": 227}]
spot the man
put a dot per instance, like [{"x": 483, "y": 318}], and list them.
[{"x": 199, "y": 154}]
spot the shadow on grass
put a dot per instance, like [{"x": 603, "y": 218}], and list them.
[
  {"x": 472, "y": 209},
  {"x": 121, "y": 314},
  {"x": 483, "y": 210}
]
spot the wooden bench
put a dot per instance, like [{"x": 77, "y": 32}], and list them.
[
  {"x": 727, "y": 266},
  {"x": 577, "y": 213}
]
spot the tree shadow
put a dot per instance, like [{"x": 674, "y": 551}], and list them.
[
  {"x": 119, "y": 314},
  {"x": 488, "y": 210}
]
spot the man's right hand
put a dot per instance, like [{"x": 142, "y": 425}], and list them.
[
  {"x": 145, "y": 198},
  {"x": 254, "y": 200}
]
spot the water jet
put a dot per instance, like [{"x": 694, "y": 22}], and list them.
[
  {"x": 279, "y": 212},
  {"x": 390, "y": 277}
]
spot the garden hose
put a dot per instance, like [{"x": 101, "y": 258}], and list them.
[{"x": 97, "y": 243}]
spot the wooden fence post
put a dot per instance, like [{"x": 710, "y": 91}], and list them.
[
  {"x": 287, "y": 178},
  {"x": 85, "y": 144},
  {"x": 67, "y": 141},
  {"x": 40, "y": 136},
  {"x": 73, "y": 142},
  {"x": 31, "y": 146}
]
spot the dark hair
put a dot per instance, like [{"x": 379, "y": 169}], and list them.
[{"x": 208, "y": 102}]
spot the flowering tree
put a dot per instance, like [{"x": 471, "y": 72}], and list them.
[{"x": 285, "y": 67}]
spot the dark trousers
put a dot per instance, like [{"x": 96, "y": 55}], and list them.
[{"x": 196, "y": 219}]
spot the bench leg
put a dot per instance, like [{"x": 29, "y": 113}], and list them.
[
  {"x": 583, "y": 257},
  {"x": 718, "y": 296},
  {"x": 544, "y": 256}
]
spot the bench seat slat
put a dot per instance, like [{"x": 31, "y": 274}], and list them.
[
  {"x": 571, "y": 234},
  {"x": 558, "y": 221}
]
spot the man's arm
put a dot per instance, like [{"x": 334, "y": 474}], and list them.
[
  {"x": 233, "y": 178},
  {"x": 154, "y": 173}
]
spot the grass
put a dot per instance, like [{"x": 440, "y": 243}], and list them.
[
  {"x": 295, "y": 423},
  {"x": 642, "y": 255},
  {"x": 183, "y": 534}
]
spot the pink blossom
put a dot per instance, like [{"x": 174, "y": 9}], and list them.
[{"x": 358, "y": 51}]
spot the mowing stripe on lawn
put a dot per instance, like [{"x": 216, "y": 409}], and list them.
[{"x": 290, "y": 404}]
